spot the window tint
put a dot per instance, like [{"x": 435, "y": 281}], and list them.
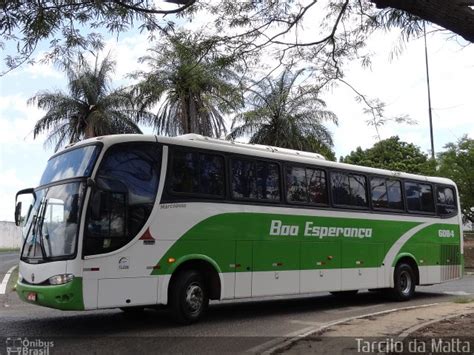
[
  {"x": 197, "y": 173},
  {"x": 70, "y": 164},
  {"x": 255, "y": 180},
  {"x": 296, "y": 184},
  {"x": 124, "y": 195},
  {"x": 386, "y": 193},
  {"x": 445, "y": 200},
  {"x": 306, "y": 185},
  {"x": 348, "y": 189},
  {"x": 317, "y": 188},
  {"x": 419, "y": 197}
]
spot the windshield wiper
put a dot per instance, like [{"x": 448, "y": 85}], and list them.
[{"x": 36, "y": 228}]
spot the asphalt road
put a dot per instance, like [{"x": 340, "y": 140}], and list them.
[
  {"x": 7, "y": 260},
  {"x": 231, "y": 326}
]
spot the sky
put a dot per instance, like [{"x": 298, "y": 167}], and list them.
[{"x": 399, "y": 82}]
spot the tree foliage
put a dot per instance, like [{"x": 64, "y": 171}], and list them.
[
  {"x": 457, "y": 163},
  {"x": 193, "y": 85},
  {"x": 286, "y": 113},
  {"x": 345, "y": 24},
  {"x": 90, "y": 107},
  {"x": 392, "y": 154},
  {"x": 73, "y": 25}
]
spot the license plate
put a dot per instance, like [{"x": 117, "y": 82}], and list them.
[{"x": 31, "y": 296}]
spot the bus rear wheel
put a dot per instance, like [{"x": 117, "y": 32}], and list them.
[
  {"x": 188, "y": 297},
  {"x": 404, "y": 283}
]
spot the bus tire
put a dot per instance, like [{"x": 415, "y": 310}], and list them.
[
  {"x": 404, "y": 283},
  {"x": 189, "y": 297}
]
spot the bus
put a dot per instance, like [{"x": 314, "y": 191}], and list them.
[{"x": 135, "y": 221}]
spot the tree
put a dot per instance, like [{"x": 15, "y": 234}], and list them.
[
  {"x": 454, "y": 15},
  {"x": 284, "y": 114},
  {"x": 90, "y": 107},
  {"x": 193, "y": 85},
  {"x": 457, "y": 163},
  {"x": 392, "y": 154},
  {"x": 71, "y": 25},
  {"x": 25, "y": 24}
]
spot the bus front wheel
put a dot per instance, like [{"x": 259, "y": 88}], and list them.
[
  {"x": 404, "y": 283},
  {"x": 188, "y": 297}
]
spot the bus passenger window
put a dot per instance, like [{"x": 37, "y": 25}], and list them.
[
  {"x": 317, "y": 188},
  {"x": 306, "y": 185},
  {"x": 386, "y": 193},
  {"x": 244, "y": 185},
  {"x": 296, "y": 190},
  {"x": 268, "y": 181},
  {"x": 197, "y": 173},
  {"x": 255, "y": 180},
  {"x": 348, "y": 189},
  {"x": 419, "y": 197},
  {"x": 445, "y": 201}
]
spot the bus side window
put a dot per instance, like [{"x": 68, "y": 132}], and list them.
[
  {"x": 306, "y": 185},
  {"x": 252, "y": 180},
  {"x": 124, "y": 195},
  {"x": 386, "y": 193},
  {"x": 419, "y": 197},
  {"x": 445, "y": 201},
  {"x": 348, "y": 189}
]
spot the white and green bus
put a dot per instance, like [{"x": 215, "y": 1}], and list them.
[{"x": 132, "y": 221}]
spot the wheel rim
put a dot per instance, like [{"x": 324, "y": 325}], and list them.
[
  {"x": 405, "y": 282},
  {"x": 194, "y": 298}
]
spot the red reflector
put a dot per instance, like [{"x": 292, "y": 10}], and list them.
[{"x": 31, "y": 296}]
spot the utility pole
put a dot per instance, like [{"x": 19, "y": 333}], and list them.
[{"x": 429, "y": 94}]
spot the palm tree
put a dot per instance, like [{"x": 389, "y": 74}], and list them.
[
  {"x": 191, "y": 83},
  {"x": 285, "y": 115},
  {"x": 90, "y": 107}
]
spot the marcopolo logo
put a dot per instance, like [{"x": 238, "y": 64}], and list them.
[
  {"x": 277, "y": 228},
  {"x": 25, "y": 346}
]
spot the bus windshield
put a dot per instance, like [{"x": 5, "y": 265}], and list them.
[
  {"x": 51, "y": 228},
  {"x": 70, "y": 164},
  {"x": 52, "y": 231}
]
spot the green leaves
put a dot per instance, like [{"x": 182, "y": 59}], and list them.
[
  {"x": 192, "y": 83},
  {"x": 393, "y": 154},
  {"x": 283, "y": 114},
  {"x": 457, "y": 163},
  {"x": 90, "y": 107}
]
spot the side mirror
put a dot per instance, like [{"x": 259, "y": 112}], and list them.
[{"x": 18, "y": 205}]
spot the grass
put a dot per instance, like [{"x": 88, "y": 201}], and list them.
[
  {"x": 464, "y": 300},
  {"x": 4, "y": 250},
  {"x": 13, "y": 279}
]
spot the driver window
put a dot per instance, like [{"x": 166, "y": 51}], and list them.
[{"x": 124, "y": 195}]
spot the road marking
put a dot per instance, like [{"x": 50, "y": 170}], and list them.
[
  {"x": 271, "y": 346},
  {"x": 3, "y": 285}
]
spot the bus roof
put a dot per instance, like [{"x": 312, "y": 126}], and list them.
[{"x": 257, "y": 150}]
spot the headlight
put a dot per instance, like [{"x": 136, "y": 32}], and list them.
[{"x": 61, "y": 279}]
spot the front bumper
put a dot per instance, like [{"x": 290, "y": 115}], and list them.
[{"x": 65, "y": 297}]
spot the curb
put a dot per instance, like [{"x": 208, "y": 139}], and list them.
[
  {"x": 413, "y": 329},
  {"x": 275, "y": 345}
]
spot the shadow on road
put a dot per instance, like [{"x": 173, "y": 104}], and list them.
[{"x": 151, "y": 321}]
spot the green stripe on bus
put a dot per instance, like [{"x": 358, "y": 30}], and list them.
[{"x": 303, "y": 242}]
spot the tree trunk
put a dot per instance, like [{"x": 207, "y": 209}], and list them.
[{"x": 454, "y": 15}]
